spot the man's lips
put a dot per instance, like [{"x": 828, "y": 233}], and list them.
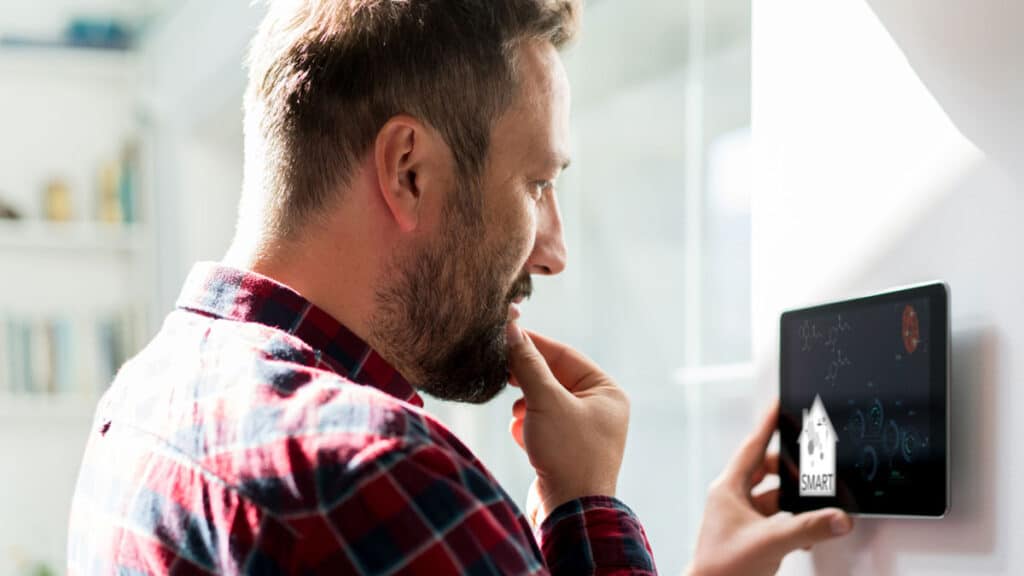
[{"x": 522, "y": 290}]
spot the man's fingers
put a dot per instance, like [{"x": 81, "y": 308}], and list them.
[
  {"x": 530, "y": 369},
  {"x": 515, "y": 427},
  {"x": 569, "y": 367},
  {"x": 770, "y": 465},
  {"x": 807, "y": 529},
  {"x": 747, "y": 461},
  {"x": 519, "y": 408},
  {"x": 766, "y": 503}
]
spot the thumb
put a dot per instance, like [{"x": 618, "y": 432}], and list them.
[
  {"x": 531, "y": 371},
  {"x": 807, "y": 529}
]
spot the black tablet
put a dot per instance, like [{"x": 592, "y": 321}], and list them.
[{"x": 864, "y": 404}]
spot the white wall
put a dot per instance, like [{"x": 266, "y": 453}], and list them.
[{"x": 865, "y": 180}]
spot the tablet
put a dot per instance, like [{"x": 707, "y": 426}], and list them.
[{"x": 864, "y": 405}]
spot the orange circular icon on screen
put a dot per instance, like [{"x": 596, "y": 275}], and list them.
[{"x": 911, "y": 329}]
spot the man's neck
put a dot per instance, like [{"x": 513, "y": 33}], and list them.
[{"x": 335, "y": 280}]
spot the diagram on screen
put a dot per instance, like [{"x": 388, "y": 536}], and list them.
[
  {"x": 884, "y": 443},
  {"x": 831, "y": 340}
]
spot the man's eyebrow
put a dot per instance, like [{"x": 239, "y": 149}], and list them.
[{"x": 556, "y": 162}]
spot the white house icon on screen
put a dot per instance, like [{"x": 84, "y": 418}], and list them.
[{"x": 817, "y": 452}]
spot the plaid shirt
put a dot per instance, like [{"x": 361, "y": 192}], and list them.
[{"x": 255, "y": 434}]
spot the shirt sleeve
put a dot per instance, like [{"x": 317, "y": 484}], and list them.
[
  {"x": 425, "y": 509},
  {"x": 595, "y": 535}
]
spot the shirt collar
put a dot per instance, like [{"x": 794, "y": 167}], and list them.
[{"x": 224, "y": 292}]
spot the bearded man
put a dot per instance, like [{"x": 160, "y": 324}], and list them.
[{"x": 400, "y": 168}]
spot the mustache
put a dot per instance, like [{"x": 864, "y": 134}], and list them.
[{"x": 523, "y": 288}]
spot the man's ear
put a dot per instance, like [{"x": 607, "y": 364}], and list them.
[{"x": 407, "y": 157}]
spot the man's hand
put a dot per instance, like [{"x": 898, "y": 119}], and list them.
[
  {"x": 571, "y": 421},
  {"x": 744, "y": 533}
]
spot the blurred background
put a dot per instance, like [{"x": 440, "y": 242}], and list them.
[{"x": 864, "y": 145}]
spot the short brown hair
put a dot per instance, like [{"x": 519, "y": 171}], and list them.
[{"x": 326, "y": 75}]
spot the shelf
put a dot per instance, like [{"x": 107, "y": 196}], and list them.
[{"x": 40, "y": 235}]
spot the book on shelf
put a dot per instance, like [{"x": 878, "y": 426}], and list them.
[
  {"x": 63, "y": 356},
  {"x": 16, "y": 355},
  {"x": 128, "y": 183},
  {"x": 117, "y": 183}
]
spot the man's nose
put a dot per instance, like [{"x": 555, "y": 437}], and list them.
[{"x": 549, "y": 252}]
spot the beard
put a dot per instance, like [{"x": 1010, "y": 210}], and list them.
[{"x": 442, "y": 320}]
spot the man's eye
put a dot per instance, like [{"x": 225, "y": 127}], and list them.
[{"x": 540, "y": 187}]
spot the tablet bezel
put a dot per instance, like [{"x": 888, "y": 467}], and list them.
[{"x": 935, "y": 503}]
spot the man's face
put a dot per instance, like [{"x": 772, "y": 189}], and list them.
[{"x": 452, "y": 298}]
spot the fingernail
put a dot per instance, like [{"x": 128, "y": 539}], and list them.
[
  {"x": 840, "y": 525},
  {"x": 513, "y": 334}
]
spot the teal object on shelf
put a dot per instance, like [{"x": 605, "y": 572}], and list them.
[{"x": 99, "y": 33}]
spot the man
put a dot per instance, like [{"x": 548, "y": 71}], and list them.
[{"x": 399, "y": 194}]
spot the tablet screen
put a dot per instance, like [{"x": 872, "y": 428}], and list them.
[{"x": 863, "y": 404}]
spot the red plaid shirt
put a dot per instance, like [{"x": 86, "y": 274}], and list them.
[{"x": 255, "y": 434}]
